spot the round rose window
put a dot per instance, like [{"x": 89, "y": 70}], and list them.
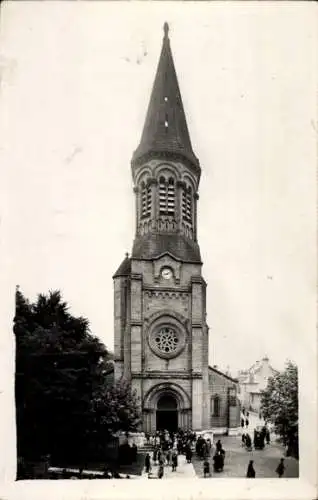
[{"x": 167, "y": 340}]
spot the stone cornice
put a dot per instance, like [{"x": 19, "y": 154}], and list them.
[
  {"x": 167, "y": 375},
  {"x": 149, "y": 288},
  {"x": 136, "y": 323},
  {"x": 198, "y": 279},
  {"x": 136, "y": 277}
]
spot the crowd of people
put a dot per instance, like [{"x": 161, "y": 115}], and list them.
[{"x": 167, "y": 446}]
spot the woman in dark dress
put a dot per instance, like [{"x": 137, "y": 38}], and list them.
[
  {"x": 280, "y": 468},
  {"x": 147, "y": 463},
  {"x": 248, "y": 442},
  {"x": 250, "y": 470},
  {"x": 174, "y": 460}
]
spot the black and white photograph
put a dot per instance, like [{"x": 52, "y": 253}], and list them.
[{"x": 159, "y": 232}]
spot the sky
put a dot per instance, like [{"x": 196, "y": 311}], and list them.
[{"x": 75, "y": 84}]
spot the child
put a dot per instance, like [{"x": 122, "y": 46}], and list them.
[{"x": 206, "y": 468}]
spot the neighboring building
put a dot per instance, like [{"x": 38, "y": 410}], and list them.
[
  {"x": 161, "y": 334},
  {"x": 252, "y": 382}
]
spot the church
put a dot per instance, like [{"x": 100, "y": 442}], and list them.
[{"x": 160, "y": 328}]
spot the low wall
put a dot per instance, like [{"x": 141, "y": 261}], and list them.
[{"x": 133, "y": 437}]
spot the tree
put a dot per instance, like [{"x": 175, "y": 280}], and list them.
[
  {"x": 63, "y": 401},
  {"x": 279, "y": 405},
  {"x": 118, "y": 408}
]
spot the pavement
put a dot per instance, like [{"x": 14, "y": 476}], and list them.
[
  {"x": 184, "y": 470},
  {"x": 237, "y": 459}
]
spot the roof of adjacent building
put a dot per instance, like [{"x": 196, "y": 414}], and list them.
[
  {"x": 152, "y": 245},
  {"x": 246, "y": 376},
  {"x": 165, "y": 129},
  {"x": 223, "y": 374},
  {"x": 124, "y": 268}
]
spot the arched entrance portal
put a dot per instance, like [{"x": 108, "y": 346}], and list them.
[
  {"x": 167, "y": 413},
  {"x": 166, "y": 405}
]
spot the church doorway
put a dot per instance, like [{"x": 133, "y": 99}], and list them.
[{"x": 167, "y": 413}]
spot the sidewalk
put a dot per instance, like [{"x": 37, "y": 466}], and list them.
[
  {"x": 184, "y": 470},
  {"x": 237, "y": 459}
]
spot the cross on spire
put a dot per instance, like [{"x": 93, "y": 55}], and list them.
[{"x": 166, "y": 29}]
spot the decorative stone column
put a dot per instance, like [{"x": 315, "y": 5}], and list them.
[
  {"x": 137, "y": 205},
  {"x": 178, "y": 215},
  {"x": 195, "y": 211}
]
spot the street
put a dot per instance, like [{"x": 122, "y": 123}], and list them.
[{"x": 237, "y": 458}]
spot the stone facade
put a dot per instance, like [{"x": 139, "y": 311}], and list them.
[
  {"x": 252, "y": 382},
  {"x": 161, "y": 334}
]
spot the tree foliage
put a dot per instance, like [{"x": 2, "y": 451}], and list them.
[
  {"x": 63, "y": 401},
  {"x": 279, "y": 404}
]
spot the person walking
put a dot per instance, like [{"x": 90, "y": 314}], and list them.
[
  {"x": 247, "y": 423},
  {"x": 242, "y": 423},
  {"x": 160, "y": 470},
  {"x": 147, "y": 463},
  {"x": 155, "y": 455},
  {"x": 280, "y": 468},
  {"x": 248, "y": 442},
  {"x": 188, "y": 454},
  {"x": 267, "y": 436},
  {"x": 250, "y": 470},
  {"x": 218, "y": 460},
  {"x": 174, "y": 461},
  {"x": 218, "y": 445},
  {"x": 243, "y": 439},
  {"x": 206, "y": 468}
]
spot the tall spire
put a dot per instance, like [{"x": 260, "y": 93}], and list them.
[{"x": 165, "y": 130}]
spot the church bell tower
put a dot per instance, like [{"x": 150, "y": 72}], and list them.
[{"x": 161, "y": 335}]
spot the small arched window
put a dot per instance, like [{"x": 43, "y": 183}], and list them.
[
  {"x": 166, "y": 196},
  {"x": 215, "y": 403}
]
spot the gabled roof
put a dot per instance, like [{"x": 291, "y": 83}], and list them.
[
  {"x": 223, "y": 374},
  {"x": 124, "y": 268},
  {"x": 165, "y": 129}
]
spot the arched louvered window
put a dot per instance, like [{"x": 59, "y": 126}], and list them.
[
  {"x": 145, "y": 200},
  {"x": 187, "y": 204},
  {"x": 166, "y": 196},
  {"x": 171, "y": 197},
  {"x": 149, "y": 195}
]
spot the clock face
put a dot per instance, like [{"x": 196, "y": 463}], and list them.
[{"x": 166, "y": 273}]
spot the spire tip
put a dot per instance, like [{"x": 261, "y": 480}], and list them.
[{"x": 166, "y": 29}]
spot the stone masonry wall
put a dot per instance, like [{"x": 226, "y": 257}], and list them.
[{"x": 219, "y": 385}]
